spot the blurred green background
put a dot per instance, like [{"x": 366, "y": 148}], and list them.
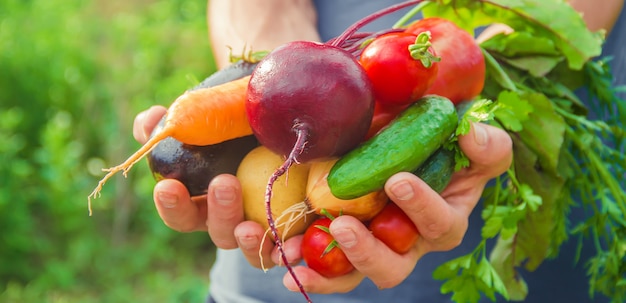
[{"x": 73, "y": 74}]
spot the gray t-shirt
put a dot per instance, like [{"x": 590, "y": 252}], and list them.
[{"x": 233, "y": 280}]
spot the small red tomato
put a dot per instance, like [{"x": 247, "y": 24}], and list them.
[
  {"x": 461, "y": 74},
  {"x": 394, "y": 228},
  {"x": 399, "y": 75},
  {"x": 321, "y": 252}
]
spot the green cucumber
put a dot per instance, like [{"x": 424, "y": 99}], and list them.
[
  {"x": 403, "y": 145},
  {"x": 437, "y": 170}
]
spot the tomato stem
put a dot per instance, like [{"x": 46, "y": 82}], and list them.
[
  {"x": 327, "y": 214},
  {"x": 333, "y": 244},
  {"x": 420, "y": 50}
]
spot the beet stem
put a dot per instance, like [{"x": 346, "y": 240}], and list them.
[
  {"x": 302, "y": 133},
  {"x": 358, "y": 41},
  {"x": 347, "y": 34}
]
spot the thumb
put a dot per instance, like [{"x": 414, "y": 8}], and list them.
[
  {"x": 146, "y": 121},
  {"x": 488, "y": 148}
]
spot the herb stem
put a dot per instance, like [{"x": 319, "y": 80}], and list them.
[
  {"x": 602, "y": 178},
  {"x": 500, "y": 75}
]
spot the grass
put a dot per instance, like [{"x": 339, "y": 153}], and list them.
[{"x": 73, "y": 76}]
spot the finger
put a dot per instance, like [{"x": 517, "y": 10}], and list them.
[
  {"x": 369, "y": 255},
  {"x": 292, "y": 250},
  {"x": 176, "y": 208},
  {"x": 313, "y": 282},
  {"x": 146, "y": 121},
  {"x": 488, "y": 148},
  {"x": 439, "y": 223},
  {"x": 225, "y": 210},
  {"x": 250, "y": 239}
]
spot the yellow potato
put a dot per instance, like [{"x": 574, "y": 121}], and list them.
[{"x": 289, "y": 191}]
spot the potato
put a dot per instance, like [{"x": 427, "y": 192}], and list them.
[{"x": 289, "y": 192}]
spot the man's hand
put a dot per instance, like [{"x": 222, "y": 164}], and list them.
[{"x": 442, "y": 220}]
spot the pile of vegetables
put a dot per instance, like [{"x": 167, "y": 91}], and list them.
[{"x": 335, "y": 120}]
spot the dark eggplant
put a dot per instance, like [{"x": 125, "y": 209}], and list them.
[
  {"x": 196, "y": 166},
  {"x": 232, "y": 72}
]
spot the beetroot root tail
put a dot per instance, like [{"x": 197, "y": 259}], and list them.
[{"x": 302, "y": 134}]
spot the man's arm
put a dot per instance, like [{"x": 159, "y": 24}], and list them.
[
  {"x": 599, "y": 14},
  {"x": 243, "y": 25}
]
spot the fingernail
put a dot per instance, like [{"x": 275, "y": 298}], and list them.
[
  {"x": 346, "y": 237},
  {"x": 247, "y": 242},
  {"x": 141, "y": 115},
  {"x": 402, "y": 190},
  {"x": 224, "y": 195},
  {"x": 167, "y": 200},
  {"x": 480, "y": 134}
]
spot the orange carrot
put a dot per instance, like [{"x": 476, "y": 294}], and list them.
[{"x": 198, "y": 117}]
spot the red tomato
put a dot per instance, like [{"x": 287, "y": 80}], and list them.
[
  {"x": 321, "y": 252},
  {"x": 397, "y": 77},
  {"x": 461, "y": 75},
  {"x": 394, "y": 228}
]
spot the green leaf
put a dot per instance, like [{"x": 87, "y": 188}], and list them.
[
  {"x": 483, "y": 271},
  {"x": 534, "y": 235},
  {"x": 466, "y": 278},
  {"x": 568, "y": 32},
  {"x": 451, "y": 268},
  {"x": 465, "y": 291},
  {"x": 537, "y": 66},
  {"x": 558, "y": 152},
  {"x": 497, "y": 284},
  {"x": 526, "y": 193},
  {"x": 452, "y": 284},
  {"x": 520, "y": 44},
  {"x": 491, "y": 227},
  {"x": 544, "y": 130},
  {"x": 512, "y": 110},
  {"x": 496, "y": 77},
  {"x": 469, "y": 112},
  {"x": 473, "y": 112},
  {"x": 490, "y": 277},
  {"x": 525, "y": 51},
  {"x": 509, "y": 231},
  {"x": 505, "y": 266}
]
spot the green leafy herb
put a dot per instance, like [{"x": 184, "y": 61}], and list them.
[
  {"x": 568, "y": 32},
  {"x": 470, "y": 275},
  {"x": 563, "y": 157},
  {"x": 469, "y": 112}
]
